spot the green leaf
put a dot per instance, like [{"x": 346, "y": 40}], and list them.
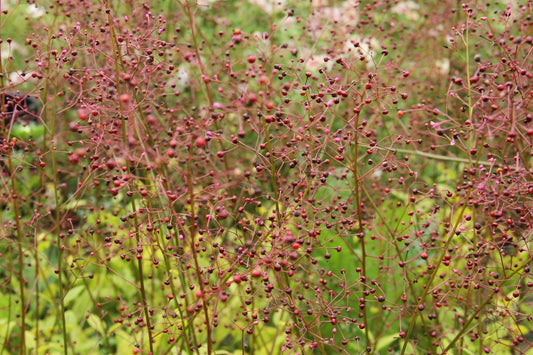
[
  {"x": 384, "y": 342},
  {"x": 24, "y": 132},
  {"x": 73, "y": 294},
  {"x": 96, "y": 323},
  {"x": 113, "y": 328}
]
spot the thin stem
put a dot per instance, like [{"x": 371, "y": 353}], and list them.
[
  {"x": 20, "y": 274},
  {"x": 37, "y": 293},
  {"x": 192, "y": 238},
  {"x": 16, "y": 210},
  {"x": 205, "y": 76},
  {"x": 428, "y": 155},
  {"x": 467, "y": 59},
  {"x": 444, "y": 250},
  {"x": 480, "y": 309},
  {"x": 274, "y": 173},
  {"x": 118, "y": 66},
  {"x": 357, "y": 193}
]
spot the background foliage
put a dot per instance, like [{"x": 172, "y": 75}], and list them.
[{"x": 278, "y": 177}]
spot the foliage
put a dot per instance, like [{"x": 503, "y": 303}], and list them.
[{"x": 222, "y": 177}]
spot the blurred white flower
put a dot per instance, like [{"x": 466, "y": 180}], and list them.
[
  {"x": 345, "y": 15},
  {"x": 443, "y": 66},
  {"x": 181, "y": 80},
  {"x": 204, "y": 3},
  {"x": 362, "y": 47},
  {"x": 18, "y": 77},
  {"x": 319, "y": 3},
  {"x": 435, "y": 31},
  {"x": 513, "y": 8},
  {"x": 269, "y": 6},
  {"x": 35, "y": 11},
  {"x": 9, "y": 49},
  {"x": 316, "y": 62},
  {"x": 407, "y": 8}
]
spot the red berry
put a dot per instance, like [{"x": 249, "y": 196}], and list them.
[
  {"x": 200, "y": 142},
  {"x": 124, "y": 98},
  {"x": 83, "y": 114}
]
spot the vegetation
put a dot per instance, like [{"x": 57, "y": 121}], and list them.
[{"x": 262, "y": 177}]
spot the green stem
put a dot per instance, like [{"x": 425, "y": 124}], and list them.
[
  {"x": 428, "y": 155},
  {"x": 192, "y": 238},
  {"x": 57, "y": 228},
  {"x": 427, "y": 289},
  {"x": 16, "y": 210},
  {"x": 465, "y": 327},
  {"x": 14, "y": 202},
  {"x": 274, "y": 174},
  {"x": 357, "y": 192},
  {"x": 467, "y": 58},
  {"x": 118, "y": 66}
]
